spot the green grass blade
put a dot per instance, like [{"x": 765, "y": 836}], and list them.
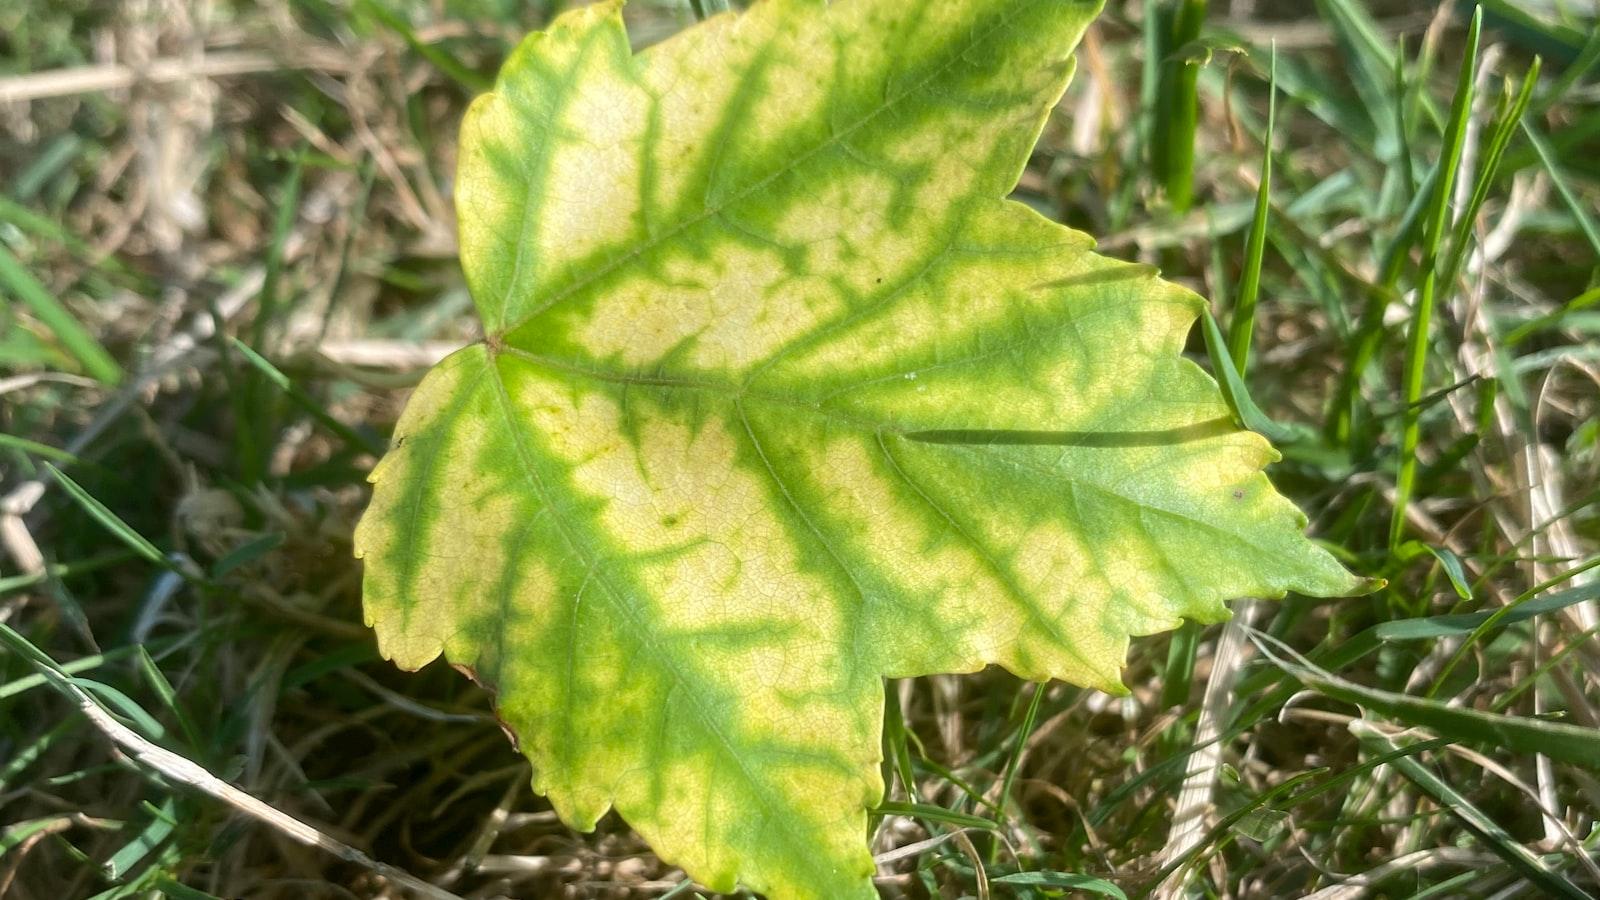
[
  {"x": 1573, "y": 73},
  {"x": 1071, "y": 881},
  {"x": 1518, "y": 23},
  {"x": 1581, "y": 213},
  {"x": 81, "y": 664},
  {"x": 1461, "y": 624},
  {"x": 1422, "y": 316},
  {"x": 1557, "y": 740},
  {"x": 1454, "y": 569},
  {"x": 1369, "y": 337},
  {"x": 1264, "y": 800},
  {"x": 112, "y": 523},
  {"x": 53, "y": 315},
  {"x": 25, "y": 756},
  {"x": 17, "y": 834},
  {"x": 444, "y": 62},
  {"x": 1577, "y": 642},
  {"x": 1236, "y": 393},
  {"x": 285, "y": 211},
  {"x": 1178, "y": 105},
  {"x": 13, "y": 583},
  {"x": 36, "y": 449},
  {"x": 1500, "y": 614},
  {"x": 1178, "y": 677},
  {"x": 1476, "y": 821},
  {"x": 303, "y": 400},
  {"x": 43, "y": 227},
  {"x": 1450, "y": 888},
  {"x": 705, "y": 9},
  {"x": 934, "y": 814},
  {"x": 51, "y": 161},
  {"x": 1551, "y": 320},
  {"x": 1370, "y": 63},
  {"x": 1242, "y": 326},
  {"x": 158, "y": 682},
  {"x": 247, "y": 553},
  {"x": 155, "y": 833},
  {"x": 114, "y": 700},
  {"x": 1153, "y": 39},
  {"x": 1015, "y": 757},
  {"x": 1506, "y": 126},
  {"x": 895, "y": 739},
  {"x": 1408, "y": 178}
]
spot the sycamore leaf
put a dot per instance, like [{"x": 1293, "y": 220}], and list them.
[{"x": 780, "y": 396}]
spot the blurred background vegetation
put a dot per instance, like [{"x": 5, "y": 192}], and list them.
[{"x": 227, "y": 251}]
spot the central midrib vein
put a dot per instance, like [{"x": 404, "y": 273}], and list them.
[
  {"x": 733, "y": 393},
  {"x": 739, "y": 394}
]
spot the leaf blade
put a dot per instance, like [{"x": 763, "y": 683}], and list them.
[{"x": 728, "y": 455}]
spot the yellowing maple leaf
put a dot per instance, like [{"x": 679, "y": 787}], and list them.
[{"x": 781, "y": 397}]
